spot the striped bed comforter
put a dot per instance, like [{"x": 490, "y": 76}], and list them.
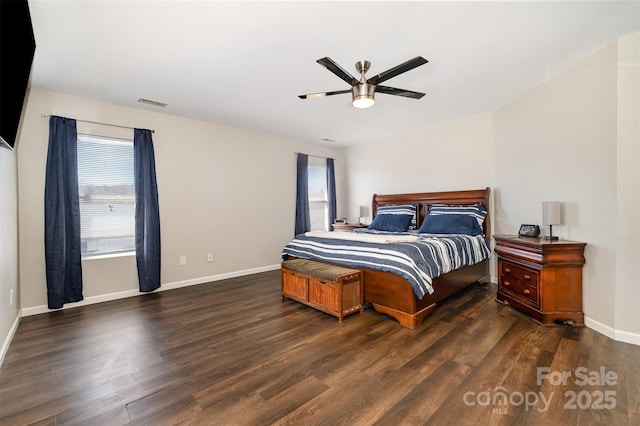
[{"x": 418, "y": 260}]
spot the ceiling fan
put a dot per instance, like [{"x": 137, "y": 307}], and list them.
[{"x": 363, "y": 90}]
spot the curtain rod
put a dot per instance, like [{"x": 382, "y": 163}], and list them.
[
  {"x": 100, "y": 123},
  {"x": 310, "y": 155}
]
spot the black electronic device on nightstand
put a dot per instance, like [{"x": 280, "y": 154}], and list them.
[{"x": 529, "y": 231}]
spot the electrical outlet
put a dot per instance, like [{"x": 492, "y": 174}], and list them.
[
  {"x": 183, "y": 260},
  {"x": 210, "y": 257}
]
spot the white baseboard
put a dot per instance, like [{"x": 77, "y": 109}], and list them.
[
  {"x": 617, "y": 335},
  {"x": 35, "y": 310},
  {"x": 9, "y": 338}
]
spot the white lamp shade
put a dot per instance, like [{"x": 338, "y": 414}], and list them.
[
  {"x": 364, "y": 211},
  {"x": 551, "y": 213}
]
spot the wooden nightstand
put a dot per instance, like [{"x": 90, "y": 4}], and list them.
[
  {"x": 345, "y": 227},
  {"x": 541, "y": 278}
]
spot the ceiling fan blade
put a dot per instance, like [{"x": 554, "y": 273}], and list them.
[
  {"x": 399, "y": 92},
  {"x": 329, "y": 64},
  {"x": 407, "y": 66},
  {"x": 322, "y": 94}
]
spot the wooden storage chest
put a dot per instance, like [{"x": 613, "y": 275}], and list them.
[{"x": 335, "y": 290}]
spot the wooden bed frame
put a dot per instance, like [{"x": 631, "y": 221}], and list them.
[{"x": 391, "y": 294}]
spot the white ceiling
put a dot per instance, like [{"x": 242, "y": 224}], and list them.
[{"x": 244, "y": 64}]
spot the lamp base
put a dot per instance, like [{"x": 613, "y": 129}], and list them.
[{"x": 551, "y": 237}]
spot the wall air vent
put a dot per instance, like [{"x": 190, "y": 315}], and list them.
[{"x": 150, "y": 102}]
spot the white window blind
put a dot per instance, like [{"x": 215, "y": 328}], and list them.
[
  {"x": 318, "y": 205},
  {"x": 107, "y": 201}
]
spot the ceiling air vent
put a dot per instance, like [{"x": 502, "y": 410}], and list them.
[{"x": 150, "y": 102}]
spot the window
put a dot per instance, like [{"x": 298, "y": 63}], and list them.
[
  {"x": 107, "y": 200},
  {"x": 318, "y": 203}
]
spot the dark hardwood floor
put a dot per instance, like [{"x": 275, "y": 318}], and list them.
[{"x": 232, "y": 353}]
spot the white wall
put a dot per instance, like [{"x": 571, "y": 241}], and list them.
[
  {"x": 627, "y": 295},
  {"x": 452, "y": 156},
  {"x": 222, "y": 190},
  {"x": 568, "y": 127},
  {"x": 8, "y": 247}
]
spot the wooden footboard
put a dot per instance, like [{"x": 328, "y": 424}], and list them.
[
  {"x": 404, "y": 318},
  {"x": 390, "y": 294}
]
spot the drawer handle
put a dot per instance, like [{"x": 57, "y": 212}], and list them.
[
  {"x": 527, "y": 277},
  {"x": 507, "y": 283},
  {"x": 507, "y": 270},
  {"x": 527, "y": 291}
]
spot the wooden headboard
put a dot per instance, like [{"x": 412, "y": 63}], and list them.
[{"x": 425, "y": 200}]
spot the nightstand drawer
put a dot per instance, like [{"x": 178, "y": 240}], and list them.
[
  {"x": 518, "y": 287},
  {"x": 517, "y": 273}
]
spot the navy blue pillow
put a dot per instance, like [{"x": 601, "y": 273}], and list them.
[
  {"x": 393, "y": 218},
  {"x": 476, "y": 210},
  {"x": 450, "y": 224}
]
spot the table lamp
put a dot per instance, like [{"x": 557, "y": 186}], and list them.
[{"x": 551, "y": 215}]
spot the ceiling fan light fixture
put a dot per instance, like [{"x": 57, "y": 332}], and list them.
[
  {"x": 363, "y": 95},
  {"x": 363, "y": 89}
]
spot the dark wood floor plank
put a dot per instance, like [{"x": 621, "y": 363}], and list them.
[
  {"x": 168, "y": 404},
  {"x": 420, "y": 403},
  {"x": 281, "y": 404},
  {"x": 522, "y": 393},
  {"x": 109, "y": 409},
  {"x": 569, "y": 355},
  {"x": 392, "y": 389},
  {"x": 399, "y": 353},
  {"x": 338, "y": 405},
  {"x": 233, "y": 353},
  {"x": 609, "y": 374},
  {"x": 467, "y": 404}
]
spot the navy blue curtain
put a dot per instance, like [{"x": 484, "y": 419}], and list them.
[
  {"x": 331, "y": 191},
  {"x": 303, "y": 220},
  {"x": 62, "y": 247},
  {"x": 147, "y": 211}
]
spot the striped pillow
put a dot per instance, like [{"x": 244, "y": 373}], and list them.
[
  {"x": 394, "y": 218},
  {"x": 477, "y": 211}
]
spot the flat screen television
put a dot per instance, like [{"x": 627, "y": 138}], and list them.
[{"x": 17, "y": 47}]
